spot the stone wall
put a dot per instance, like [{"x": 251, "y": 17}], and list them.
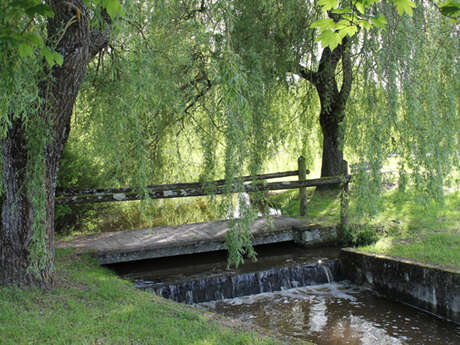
[{"x": 427, "y": 287}]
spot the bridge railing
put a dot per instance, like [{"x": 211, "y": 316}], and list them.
[{"x": 181, "y": 190}]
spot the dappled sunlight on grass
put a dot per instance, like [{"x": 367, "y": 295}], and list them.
[
  {"x": 429, "y": 234},
  {"x": 383, "y": 245}
]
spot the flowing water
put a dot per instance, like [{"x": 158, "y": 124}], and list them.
[
  {"x": 204, "y": 277},
  {"x": 338, "y": 315},
  {"x": 292, "y": 291},
  {"x": 327, "y": 271}
]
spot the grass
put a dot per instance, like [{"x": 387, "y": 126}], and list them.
[
  {"x": 412, "y": 231},
  {"x": 91, "y": 305},
  {"x": 405, "y": 227}
]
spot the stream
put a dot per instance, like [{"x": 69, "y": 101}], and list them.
[
  {"x": 288, "y": 291},
  {"x": 338, "y": 315}
]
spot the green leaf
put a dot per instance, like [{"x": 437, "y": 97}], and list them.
[
  {"x": 341, "y": 24},
  {"x": 25, "y": 4},
  {"x": 113, "y": 8},
  {"x": 379, "y": 21},
  {"x": 25, "y": 50},
  {"x": 353, "y": 18},
  {"x": 360, "y": 7},
  {"x": 450, "y": 8},
  {"x": 32, "y": 39},
  {"x": 350, "y": 30},
  {"x": 323, "y": 24},
  {"x": 58, "y": 58},
  {"x": 346, "y": 10},
  {"x": 365, "y": 24},
  {"x": 329, "y": 39},
  {"x": 328, "y": 4},
  {"x": 52, "y": 57},
  {"x": 404, "y": 6}
]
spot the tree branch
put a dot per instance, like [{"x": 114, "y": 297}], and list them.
[
  {"x": 192, "y": 13},
  {"x": 201, "y": 94},
  {"x": 99, "y": 39},
  {"x": 308, "y": 74}
]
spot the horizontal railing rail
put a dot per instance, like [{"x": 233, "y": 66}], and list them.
[
  {"x": 190, "y": 190},
  {"x": 69, "y": 192},
  {"x": 70, "y": 196}
]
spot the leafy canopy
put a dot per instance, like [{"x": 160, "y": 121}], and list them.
[{"x": 352, "y": 16}]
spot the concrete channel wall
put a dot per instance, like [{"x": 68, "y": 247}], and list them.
[{"x": 427, "y": 287}]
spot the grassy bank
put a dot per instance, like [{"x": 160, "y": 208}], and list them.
[
  {"x": 90, "y": 305},
  {"x": 405, "y": 227},
  {"x": 409, "y": 230}
]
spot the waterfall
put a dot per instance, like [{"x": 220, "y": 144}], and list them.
[
  {"x": 230, "y": 285},
  {"x": 327, "y": 271}
]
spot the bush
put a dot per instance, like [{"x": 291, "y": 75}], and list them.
[{"x": 360, "y": 235}]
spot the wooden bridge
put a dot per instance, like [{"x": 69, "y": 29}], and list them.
[{"x": 167, "y": 241}]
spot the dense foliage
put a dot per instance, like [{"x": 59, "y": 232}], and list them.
[{"x": 210, "y": 88}]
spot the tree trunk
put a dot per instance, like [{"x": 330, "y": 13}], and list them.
[
  {"x": 332, "y": 158},
  {"x": 16, "y": 210},
  {"x": 333, "y": 102},
  {"x": 22, "y": 246}
]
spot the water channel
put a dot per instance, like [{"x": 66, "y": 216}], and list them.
[{"x": 286, "y": 290}]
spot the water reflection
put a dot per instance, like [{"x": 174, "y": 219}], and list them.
[{"x": 346, "y": 314}]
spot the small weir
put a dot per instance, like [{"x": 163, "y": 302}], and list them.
[
  {"x": 205, "y": 277},
  {"x": 236, "y": 284},
  {"x": 291, "y": 290},
  {"x": 327, "y": 271}
]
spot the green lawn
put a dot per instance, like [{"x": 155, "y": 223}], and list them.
[
  {"x": 428, "y": 235},
  {"x": 91, "y": 305},
  {"x": 405, "y": 227}
]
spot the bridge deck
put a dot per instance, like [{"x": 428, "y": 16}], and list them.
[{"x": 159, "y": 242}]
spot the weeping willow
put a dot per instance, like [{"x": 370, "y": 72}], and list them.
[
  {"x": 225, "y": 72},
  {"x": 406, "y": 105}
]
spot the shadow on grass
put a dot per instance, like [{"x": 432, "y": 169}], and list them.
[{"x": 91, "y": 305}]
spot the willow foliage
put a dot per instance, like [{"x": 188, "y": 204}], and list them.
[
  {"x": 20, "y": 75},
  {"x": 224, "y": 72},
  {"x": 406, "y": 104}
]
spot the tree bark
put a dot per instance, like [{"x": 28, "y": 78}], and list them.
[
  {"x": 333, "y": 102},
  {"x": 69, "y": 30},
  {"x": 332, "y": 157}
]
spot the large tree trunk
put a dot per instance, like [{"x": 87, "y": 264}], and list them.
[
  {"x": 333, "y": 102},
  {"x": 16, "y": 210},
  {"x": 23, "y": 247},
  {"x": 332, "y": 159}
]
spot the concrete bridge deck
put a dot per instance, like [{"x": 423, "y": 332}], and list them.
[{"x": 140, "y": 244}]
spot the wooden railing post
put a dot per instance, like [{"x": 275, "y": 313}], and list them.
[
  {"x": 302, "y": 190},
  {"x": 344, "y": 203}
]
